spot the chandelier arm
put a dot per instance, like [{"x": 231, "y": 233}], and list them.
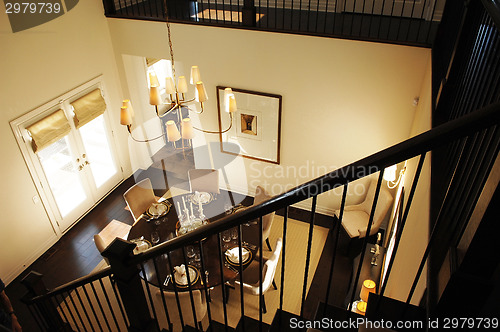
[
  {"x": 143, "y": 141},
  {"x": 217, "y": 132},
  {"x": 192, "y": 110},
  {"x": 169, "y": 110}
]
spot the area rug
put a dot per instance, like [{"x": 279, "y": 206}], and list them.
[{"x": 295, "y": 262}]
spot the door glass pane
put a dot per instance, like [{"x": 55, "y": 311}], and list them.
[
  {"x": 62, "y": 176},
  {"x": 98, "y": 150}
]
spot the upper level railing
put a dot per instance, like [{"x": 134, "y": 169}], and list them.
[
  {"x": 405, "y": 22},
  {"x": 144, "y": 303}
]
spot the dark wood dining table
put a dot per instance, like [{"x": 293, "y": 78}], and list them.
[{"x": 166, "y": 228}]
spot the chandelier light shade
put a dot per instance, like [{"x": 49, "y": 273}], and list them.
[
  {"x": 176, "y": 101},
  {"x": 187, "y": 129},
  {"x": 154, "y": 95},
  {"x": 195, "y": 75},
  {"x": 390, "y": 173},
  {"x": 125, "y": 116},
  {"x": 169, "y": 86},
  {"x": 153, "y": 79},
  {"x": 182, "y": 85},
  {"x": 172, "y": 131}
]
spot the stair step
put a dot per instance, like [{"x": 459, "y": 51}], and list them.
[
  {"x": 286, "y": 321},
  {"x": 188, "y": 328},
  {"x": 332, "y": 315},
  {"x": 250, "y": 325},
  {"x": 219, "y": 327}
]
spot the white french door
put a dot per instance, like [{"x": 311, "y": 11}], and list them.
[{"x": 75, "y": 171}]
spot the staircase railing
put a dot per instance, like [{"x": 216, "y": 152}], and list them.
[
  {"x": 393, "y": 21},
  {"x": 144, "y": 306}
]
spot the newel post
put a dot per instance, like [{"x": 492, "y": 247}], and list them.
[
  {"x": 33, "y": 282},
  {"x": 249, "y": 13},
  {"x": 129, "y": 283}
]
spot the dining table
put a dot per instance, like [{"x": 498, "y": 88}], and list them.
[{"x": 154, "y": 231}]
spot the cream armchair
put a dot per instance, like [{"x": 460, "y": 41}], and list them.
[{"x": 356, "y": 217}]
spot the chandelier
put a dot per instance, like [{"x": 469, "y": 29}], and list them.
[{"x": 176, "y": 90}]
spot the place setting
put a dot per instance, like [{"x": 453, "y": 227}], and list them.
[
  {"x": 157, "y": 211},
  {"x": 180, "y": 276},
  {"x": 141, "y": 245}
]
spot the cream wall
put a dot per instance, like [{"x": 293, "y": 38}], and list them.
[
  {"x": 342, "y": 100},
  {"x": 416, "y": 232},
  {"x": 38, "y": 65}
]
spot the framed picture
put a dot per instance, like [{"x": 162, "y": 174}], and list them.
[{"x": 256, "y": 125}]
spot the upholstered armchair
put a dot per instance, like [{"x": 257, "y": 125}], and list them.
[{"x": 356, "y": 217}]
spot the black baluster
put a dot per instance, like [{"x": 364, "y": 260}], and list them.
[
  {"x": 308, "y": 255},
  {"x": 176, "y": 292},
  {"x": 223, "y": 282},
  {"x": 203, "y": 277},
  {"x": 160, "y": 283},
  {"x": 148, "y": 291},
  {"x": 92, "y": 307},
  {"x": 100, "y": 306},
  {"x": 109, "y": 302},
  {"x": 367, "y": 235},
  {"x": 188, "y": 277},
  {"x": 336, "y": 242}
]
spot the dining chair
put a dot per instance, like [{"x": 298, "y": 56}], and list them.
[
  {"x": 262, "y": 195},
  {"x": 100, "y": 245},
  {"x": 204, "y": 180},
  {"x": 186, "y": 309},
  {"x": 139, "y": 197},
  {"x": 356, "y": 217},
  {"x": 251, "y": 275}
]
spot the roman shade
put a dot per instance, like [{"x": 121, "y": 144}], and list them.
[
  {"x": 88, "y": 107},
  {"x": 48, "y": 130}
]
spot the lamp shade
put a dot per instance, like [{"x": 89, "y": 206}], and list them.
[
  {"x": 169, "y": 86},
  {"x": 367, "y": 288},
  {"x": 154, "y": 95},
  {"x": 390, "y": 173},
  {"x": 182, "y": 85},
  {"x": 172, "y": 131},
  {"x": 128, "y": 105},
  {"x": 187, "y": 129},
  {"x": 202, "y": 93},
  {"x": 232, "y": 104},
  {"x": 195, "y": 75},
  {"x": 125, "y": 117},
  {"x": 153, "y": 79},
  {"x": 361, "y": 307}
]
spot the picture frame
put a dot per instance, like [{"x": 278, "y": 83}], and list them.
[{"x": 255, "y": 132}]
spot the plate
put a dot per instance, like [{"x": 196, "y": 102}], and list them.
[
  {"x": 239, "y": 208},
  {"x": 236, "y": 261},
  {"x": 141, "y": 245},
  {"x": 157, "y": 210},
  {"x": 204, "y": 197},
  {"x": 193, "y": 276}
]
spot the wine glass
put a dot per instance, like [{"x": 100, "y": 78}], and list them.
[
  {"x": 228, "y": 207},
  {"x": 226, "y": 237},
  {"x": 155, "y": 237},
  {"x": 190, "y": 251},
  {"x": 234, "y": 233}
]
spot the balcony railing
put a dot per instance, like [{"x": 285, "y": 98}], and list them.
[
  {"x": 128, "y": 299},
  {"x": 408, "y": 22}
]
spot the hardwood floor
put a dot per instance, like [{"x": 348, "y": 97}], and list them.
[{"x": 75, "y": 255}]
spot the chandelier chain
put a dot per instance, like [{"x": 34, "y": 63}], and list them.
[{"x": 169, "y": 40}]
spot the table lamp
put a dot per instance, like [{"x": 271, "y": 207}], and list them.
[{"x": 367, "y": 287}]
